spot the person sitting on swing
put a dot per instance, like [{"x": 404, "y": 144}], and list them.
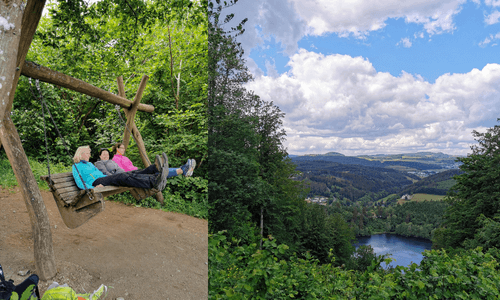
[
  {"x": 153, "y": 177},
  {"x": 106, "y": 165},
  {"x": 126, "y": 164}
]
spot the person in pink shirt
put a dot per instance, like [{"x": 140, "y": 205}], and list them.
[{"x": 124, "y": 162}]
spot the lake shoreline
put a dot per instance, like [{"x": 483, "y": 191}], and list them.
[
  {"x": 404, "y": 250},
  {"x": 397, "y": 234}
]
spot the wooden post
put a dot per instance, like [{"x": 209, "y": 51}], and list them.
[
  {"x": 130, "y": 125},
  {"x": 133, "y": 110},
  {"x": 17, "y": 28}
]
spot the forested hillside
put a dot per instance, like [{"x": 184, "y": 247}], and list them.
[
  {"x": 415, "y": 219},
  {"x": 417, "y": 163},
  {"x": 437, "y": 184},
  {"x": 352, "y": 182}
]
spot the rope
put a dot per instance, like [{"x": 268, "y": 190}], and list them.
[{"x": 58, "y": 132}]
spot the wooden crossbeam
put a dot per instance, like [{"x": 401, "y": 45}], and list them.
[{"x": 45, "y": 74}]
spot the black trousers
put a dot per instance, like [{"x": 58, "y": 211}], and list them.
[{"x": 145, "y": 178}]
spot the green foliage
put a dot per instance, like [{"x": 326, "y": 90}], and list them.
[
  {"x": 415, "y": 219},
  {"x": 196, "y": 206},
  {"x": 238, "y": 271},
  {"x": 246, "y": 272},
  {"x": 166, "y": 40},
  {"x": 8, "y": 179},
  {"x": 475, "y": 194},
  {"x": 99, "y": 41},
  {"x": 487, "y": 236}
]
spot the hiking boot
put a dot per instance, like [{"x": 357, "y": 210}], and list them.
[
  {"x": 188, "y": 168},
  {"x": 158, "y": 163},
  {"x": 165, "y": 160},
  {"x": 161, "y": 179}
]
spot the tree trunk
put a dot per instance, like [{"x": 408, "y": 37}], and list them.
[
  {"x": 14, "y": 45},
  {"x": 261, "y": 226},
  {"x": 40, "y": 225}
]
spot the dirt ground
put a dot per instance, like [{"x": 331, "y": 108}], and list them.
[{"x": 138, "y": 253}]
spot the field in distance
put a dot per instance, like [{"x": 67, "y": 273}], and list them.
[{"x": 423, "y": 197}]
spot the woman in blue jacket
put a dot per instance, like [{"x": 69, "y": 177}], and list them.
[{"x": 86, "y": 175}]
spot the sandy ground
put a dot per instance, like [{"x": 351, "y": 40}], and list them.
[{"x": 138, "y": 253}]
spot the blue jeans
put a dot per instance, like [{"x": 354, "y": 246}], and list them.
[{"x": 145, "y": 178}]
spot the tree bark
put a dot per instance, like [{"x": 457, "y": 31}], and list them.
[
  {"x": 19, "y": 24},
  {"x": 132, "y": 111},
  {"x": 261, "y": 226},
  {"x": 40, "y": 225},
  {"x": 45, "y": 74}
]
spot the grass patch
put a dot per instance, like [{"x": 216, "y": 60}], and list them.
[
  {"x": 383, "y": 200},
  {"x": 423, "y": 197},
  {"x": 8, "y": 179},
  {"x": 428, "y": 197}
]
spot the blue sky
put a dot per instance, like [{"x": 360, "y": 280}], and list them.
[{"x": 366, "y": 77}]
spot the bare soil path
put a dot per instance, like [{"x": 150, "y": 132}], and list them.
[{"x": 139, "y": 253}]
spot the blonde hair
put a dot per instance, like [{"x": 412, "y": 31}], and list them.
[{"x": 78, "y": 153}]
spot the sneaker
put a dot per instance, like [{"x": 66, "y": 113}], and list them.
[
  {"x": 188, "y": 168},
  {"x": 191, "y": 167}
]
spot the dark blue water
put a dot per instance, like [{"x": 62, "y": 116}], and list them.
[{"x": 405, "y": 250}]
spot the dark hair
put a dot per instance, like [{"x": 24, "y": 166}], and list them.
[
  {"x": 116, "y": 146},
  {"x": 102, "y": 149}
]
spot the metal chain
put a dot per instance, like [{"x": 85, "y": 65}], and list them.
[
  {"x": 60, "y": 136},
  {"x": 44, "y": 128}
]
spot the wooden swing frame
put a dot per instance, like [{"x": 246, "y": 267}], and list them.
[
  {"x": 77, "y": 206},
  {"x": 20, "y": 21}
]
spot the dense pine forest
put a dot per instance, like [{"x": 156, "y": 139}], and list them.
[{"x": 266, "y": 242}]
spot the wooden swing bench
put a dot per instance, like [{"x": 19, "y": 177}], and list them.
[{"x": 76, "y": 206}]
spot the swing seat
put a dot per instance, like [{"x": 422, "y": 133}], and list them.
[{"x": 75, "y": 205}]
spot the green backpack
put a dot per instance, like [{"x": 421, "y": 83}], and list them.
[{"x": 67, "y": 293}]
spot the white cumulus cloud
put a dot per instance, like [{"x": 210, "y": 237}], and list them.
[
  {"x": 405, "y": 42},
  {"x": 341, "y": 103},
  {"x": 360, "y": 17},
  {"x": 493, "y": 3},
  {"x": 492, "y": 18},
  {"x": 489, "y": 39}
]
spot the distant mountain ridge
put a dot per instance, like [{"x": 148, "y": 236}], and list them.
[
  {"x": 351, "y": 181},
  {"x": 417, "y": 161}
]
